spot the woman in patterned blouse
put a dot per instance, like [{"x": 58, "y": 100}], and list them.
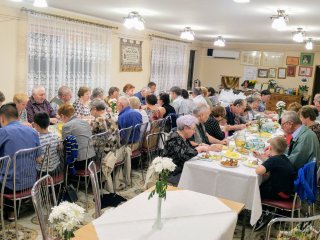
[
  {"x": 308, "y": 115},
  {"x": 179, "y": 148},
  {"x": 81, "y": 105},
  {"x": 104, "y": 122},
  {"x": 21, "y": 100}
]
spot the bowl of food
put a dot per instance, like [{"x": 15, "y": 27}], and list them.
[
  {"x": 229, "y": 163},
  {"x": 252, "y": 163}
]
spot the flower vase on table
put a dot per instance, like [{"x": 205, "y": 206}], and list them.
[
  {"x": 113, "y": 105},
  {"x": 280, "y": 108},
  {"x": 163, "y": 167}
]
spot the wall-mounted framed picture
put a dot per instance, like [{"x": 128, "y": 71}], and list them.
[
  {"x": 291, "y": 71},
  {"x": 292, "y": 61},
  {"x": 262, "y": 73},
  {"x": 306, "y": 59},
  {"x": 305, "y": 71},
  {"x": 282, "y": 72},
  {"x": 272, "y": 73}
]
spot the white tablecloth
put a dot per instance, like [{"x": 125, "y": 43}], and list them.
[
  {"x": 186, "y": 215},
  {"x": 239, "y": 184}
]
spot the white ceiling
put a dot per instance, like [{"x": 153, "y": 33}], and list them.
[{"x": 236, "y": 22}]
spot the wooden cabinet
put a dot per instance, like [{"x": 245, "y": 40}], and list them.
[{"x": 271, "y": 105}]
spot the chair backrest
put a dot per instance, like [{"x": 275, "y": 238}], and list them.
[
  {"x": 44, "y": 198},
  {"x": 168, "y": 122},
  {"x": 157, "y": 126},
  {"x": 24, "y": 170},
  {"x": 4, "y": 168},
  {"x": 95, "y": 188},
  {"x": 154, "y": 140},
  {"x": 125, "y": 134},
  {"x": 294, "y": 228},
  {"x": 99, "y": 142},
  {"x": 142, "y": 129}
]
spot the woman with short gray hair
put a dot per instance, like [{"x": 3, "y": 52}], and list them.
[{"x": 179, "y": 148}]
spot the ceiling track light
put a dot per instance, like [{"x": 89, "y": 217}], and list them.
[
  {"x": 280, "y": 20},
  {"x": 298, "y": 36},
  {"x": 309, "y": 44},
  {"x": 220, "y": 42},
  {"x": 187, "y": 34},
  {"x": 134, "y": 20}
]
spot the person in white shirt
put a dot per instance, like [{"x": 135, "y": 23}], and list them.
[
  {"x": 175, "y": 94},
  {"x": 197, "y": 96}
]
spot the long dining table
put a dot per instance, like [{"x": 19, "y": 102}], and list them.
[{"x": 186, "y": 215}]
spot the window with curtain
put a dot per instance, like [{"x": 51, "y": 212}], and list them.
[
  {"x": 169, "y": 64},
  {"x": 65, "y": 52}
]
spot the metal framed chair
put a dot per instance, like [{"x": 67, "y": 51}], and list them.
[
  {"x": 153, "y": 142},
  {"x": 95, "y": 188},
  {"x": 125, "y": 135},
  {"x": 44, "y": 198},
  {"x": 96, "y": 141},
  {"x": 4, "y": 168},
  {"x": 137, "y": 153},
  {"x": 55, "y": 151},
  {"x": 23, "y": 175},
  {"x": 294, "y": 228},
  {"x": 168, "y": 123}
]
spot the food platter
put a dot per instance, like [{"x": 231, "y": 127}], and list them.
[{"x": 230, "y": 163}]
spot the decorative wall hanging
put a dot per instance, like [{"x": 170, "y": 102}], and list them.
[
  {"x": 250, "y": 58},
  {"x": 272, "y": 73},
  {"x": 305, "y": 71},
  {"x": 262, "y": 73},
  {"x": 282, "y": 72},
  {"x": 292, "y": 61},
  {"x": 272, "y": 59},
  {"x": 130, "y": 55},
  {"x": 230, "y": 82},
  {"x": 306, "y": 59},
  {"x": 291, "y": 71}
]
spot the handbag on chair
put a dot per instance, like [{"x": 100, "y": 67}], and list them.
[{"x": 68, "y": 193}]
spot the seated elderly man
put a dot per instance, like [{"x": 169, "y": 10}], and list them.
[
  {"x": 97, "y": 93},
  {"x": 198, "y": 97},
  {"x": 179, "y": 148},
  {"x": 64, "y": 96},
  {"x": 233, "y": 112},
  {"x": 177, "y": 101},
  {"x": 143, "y": 94},
  {"x": 304, "y": 145},
  {"x": 201, "y": 136},
  {"x": 38, "y": 103}
]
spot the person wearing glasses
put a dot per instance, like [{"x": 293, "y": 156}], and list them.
[{"x": 304, "y": 145}]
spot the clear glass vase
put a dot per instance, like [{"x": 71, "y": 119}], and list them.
[{"x": 158, "y": 223}]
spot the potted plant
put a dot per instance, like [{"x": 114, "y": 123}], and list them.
[
  {"x": 272, "y": 85},
  {"x": 303, "y": 89}
]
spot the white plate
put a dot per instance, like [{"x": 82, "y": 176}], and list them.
[{"x": 229, "y": 166}]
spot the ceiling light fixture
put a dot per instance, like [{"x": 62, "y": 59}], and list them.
[
  {"x": 241, "y": 1},
  {"x": 40, "y": 3},
  {"x": 134, "y": 20},
  {"x": 298, "y": 36},
  {"x": 280, "y": 21},
  {"x": 187, "y": 34},
  {"x": 309, "y": 44},
  {"x": 16, "y": 0},
  {"x": 219, "y": 42}
]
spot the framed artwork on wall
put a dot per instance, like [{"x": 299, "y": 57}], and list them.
[
  {"x": 262, "y": 73},
  {"x": 291, "y": 71},
  {"x": 282, "y": 72},
  {"x": 305, "y": 71},
  {"x": 306, "y": 59},
  {"x": 272, "y": 73},
  {"x": 292, "y": 61}
]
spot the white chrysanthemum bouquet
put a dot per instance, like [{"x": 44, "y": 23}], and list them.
[
  {"x": 281, "y": 105},
  {"x": 162, "y": 166},
  {"x": 65, "y": 218}
]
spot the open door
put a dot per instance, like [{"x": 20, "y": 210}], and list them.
[{"x": 316, "y": 82}]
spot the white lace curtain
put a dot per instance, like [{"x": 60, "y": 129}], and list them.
[
  {"x": 169, "y": 64},
  {"x": 64, "y": 52}
]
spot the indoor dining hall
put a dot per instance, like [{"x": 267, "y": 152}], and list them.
[{"x": 180, "y": 120}]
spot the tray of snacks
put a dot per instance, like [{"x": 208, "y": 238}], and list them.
[{"x": 229, "y": 163}]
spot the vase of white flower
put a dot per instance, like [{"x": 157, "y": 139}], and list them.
[
  {"x": 65, "y": 219},
  {"x": 280, "y": 108},
  {"x": 162, "y": 167}
]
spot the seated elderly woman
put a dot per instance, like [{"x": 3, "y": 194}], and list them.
[
  {"x": 179, "y": 148},
  {"x": 214, "y": 121},
  {"x": 308, "y": 115},
  {"x": 201, "y": 136},
  {"x": 82, "y": 132}
]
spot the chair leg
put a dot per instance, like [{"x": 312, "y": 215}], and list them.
[
  {"x": 2, "y": 223},
  {"x": 243, "y": 232},
  {"x": 78, "y": 184},
  {"x": 15, "y": 217},
  {"x": 86, "y": 191},
  {"x": 19, "y": 208}
]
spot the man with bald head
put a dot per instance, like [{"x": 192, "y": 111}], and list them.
[
  {"x": 64, "y": 96},
  {"x": 38, "y": 103}
]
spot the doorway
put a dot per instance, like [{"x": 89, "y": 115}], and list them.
[{"x": 316, "y": 82}]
